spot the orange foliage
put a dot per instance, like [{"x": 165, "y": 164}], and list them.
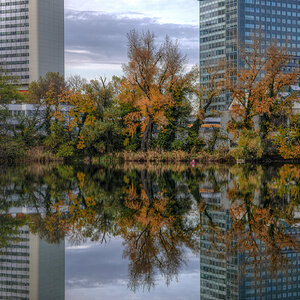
[
  {"x": 79, "y": 111},
  {"x": 257, "y": 88}
]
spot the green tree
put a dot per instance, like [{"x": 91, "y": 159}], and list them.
[
  {"x": 38, "y": 90},
  {"x": 8, "y": 89}
]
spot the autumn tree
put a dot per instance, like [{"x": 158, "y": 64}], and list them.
[
  {"x": 86, "y": 122},
  {"x": 207, "y": 92},
  {"x": 53, "y": 83},
  {"x": 73, "y": 111},
  {"x": 153, "y": 76},
  {"x": 276, "y": 101},
  {"x": 287, "y": 139},
  {"x": 259, "y": 88},
  {"x": 245, "y": 86}
]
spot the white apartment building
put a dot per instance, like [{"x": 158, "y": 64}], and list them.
[{"x": 31, "y": 38}]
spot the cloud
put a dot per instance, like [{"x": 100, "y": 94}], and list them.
[
  {"x": 167, "y": 11},
  {"x": 96, "y": 39}
]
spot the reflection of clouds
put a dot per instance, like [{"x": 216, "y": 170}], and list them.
[
  {"x": 100, "y": 38},
  {"x": 96, "y": 271},
  {"x": 93, "y": 265}
]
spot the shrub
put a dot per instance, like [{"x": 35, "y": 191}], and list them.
[
  {"x": 249, "y": 146},
  {"x": 177, "y": 145}
]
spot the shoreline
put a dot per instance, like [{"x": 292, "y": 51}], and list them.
[{"x": 46, "y": 157}]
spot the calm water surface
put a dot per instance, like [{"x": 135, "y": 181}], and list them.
[{"x": 149, "y": 232}]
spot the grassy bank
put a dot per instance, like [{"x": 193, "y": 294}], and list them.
[
  {"x": 44, "y": 156},
  {"x": 166, "y": 157},
  {"x": 32, "y": 155}
]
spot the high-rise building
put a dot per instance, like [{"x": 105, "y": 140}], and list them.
[
  {"x": 31, "y": 38},
  {"x": 226, "y": 24}
]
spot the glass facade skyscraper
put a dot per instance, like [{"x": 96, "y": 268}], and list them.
[
  {"x": 225, "y": 24},
  {"x": 31, "y": 38}
]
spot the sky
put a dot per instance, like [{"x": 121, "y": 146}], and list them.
[{"x": 95, "y": 31}]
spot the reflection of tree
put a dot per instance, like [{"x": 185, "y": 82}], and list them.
[
  {"x": 259, "y": 223},
  {"x": 9, "y": 225},
  {"x": 154, "y": 234},
  {"x": 9, "y": 229},
  {"x": 158, "y": 212}
]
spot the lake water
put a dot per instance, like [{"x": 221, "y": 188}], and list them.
[{"x": 139, "y": 231}]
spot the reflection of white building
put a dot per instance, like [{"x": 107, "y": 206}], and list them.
[{"x": 32, "y": 269}]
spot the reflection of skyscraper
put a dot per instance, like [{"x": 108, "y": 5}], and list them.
[
  {"x": 219, "y": 273},
  {"x": 259, "y": 283},
  {"x": 227, "y": 276},
  {"x": 32, "y": 269}
]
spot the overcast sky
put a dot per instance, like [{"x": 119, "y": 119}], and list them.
[{"x": 95, "y": 31}]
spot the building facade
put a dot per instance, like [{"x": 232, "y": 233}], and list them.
[
  {"x": 31, "y": 38},
  {"x": 227, "y": 24}
]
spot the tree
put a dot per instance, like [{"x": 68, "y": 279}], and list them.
[
  {"x": 8, "y": 89},
  {"x": 258, "y": 89},
  {"x": 287, "y": 139},
  {"x": 273, "y": 102},
  {"x": 245, "y": 86},
  {"x": 76, "y": 83},
  {"x": 106, "y": 133},
  {"x": 209, "y": 90},
  {"x": 73, "y": 111},
  {"x": 102, "y": 93},
  {"x": 10, "y": 148},
  {"x": 152, "y": 77},
  {"x": 51, "y": 82}
]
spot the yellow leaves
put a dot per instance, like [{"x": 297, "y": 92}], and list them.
[
  {"x": 257, "y": 95},
  {"x": 81, "y": 142},
  {"x": 126, "y": 179},
  {"x": 90, "y": 120},
  {"x": 148, "y": 213},
  {"x": 150, "y": 106},
  {"x": 81, "y": 177},
  {"x": 126, "y": 141},
  {"x": 132, "y": 121},
  {"x": 288, "y": 139},
  {"x": 74, "y": 111},
  {"x": 90, "y": 201},
  {"x": 58, "y": 116}
]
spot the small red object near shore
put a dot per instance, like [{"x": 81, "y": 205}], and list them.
[{"x": 193, "y": 163}]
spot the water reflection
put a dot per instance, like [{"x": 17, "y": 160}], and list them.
[
  {"x": 241, "y": 220},
  {"x": 31, "y": 268}
]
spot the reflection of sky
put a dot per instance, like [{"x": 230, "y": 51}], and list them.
[{"x": 101, "y": 272}]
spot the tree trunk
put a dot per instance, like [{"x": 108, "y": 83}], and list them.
[
  {"x": 147, "y": 184},
  {"x": 146, "y": 139}
]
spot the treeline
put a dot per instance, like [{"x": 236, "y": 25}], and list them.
[{"x": 158, "y": 105}]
